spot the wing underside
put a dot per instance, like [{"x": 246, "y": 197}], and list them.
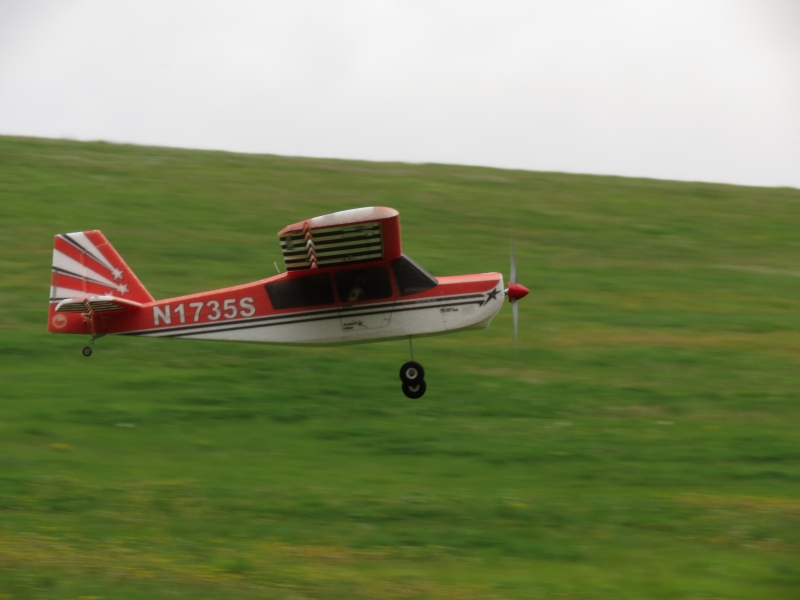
[
  {"x": 331, "y": 246},
  {"x": 350, "y": 236}
]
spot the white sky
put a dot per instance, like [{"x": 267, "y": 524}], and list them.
[{"x": 698, "y": 90}]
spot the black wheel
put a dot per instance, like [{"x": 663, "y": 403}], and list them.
[
  {"x": 415, "y": 390},
  {"x": 87, "y": 351},
  {"x": 412, "y": 372}
]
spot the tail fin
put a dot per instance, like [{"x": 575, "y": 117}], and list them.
[{"x": 85, "y": 264}]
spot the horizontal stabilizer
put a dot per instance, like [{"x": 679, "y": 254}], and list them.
[{"x": 93, "y": 304}]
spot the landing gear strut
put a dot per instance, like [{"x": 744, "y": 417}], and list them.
[
  {"x": 412, "y": 374},
  {"x": 87, "y": 350}
]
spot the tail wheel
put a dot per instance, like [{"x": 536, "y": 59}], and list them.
[
  {"x": 412, "y": 372},
  {"x": 87, "y": 351},
  {"x": 415, "y": 390}
]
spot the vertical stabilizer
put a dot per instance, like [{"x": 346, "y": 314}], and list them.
[{"x": 85, "y": 264}]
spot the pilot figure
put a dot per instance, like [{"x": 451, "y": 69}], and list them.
[{"x": 357, "y": 289}]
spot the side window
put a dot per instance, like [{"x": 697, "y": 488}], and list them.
[
  {"x": 310, "y": 290},
  {"x": 363, "y": 284},
  {"x": 411, "y": 278}
]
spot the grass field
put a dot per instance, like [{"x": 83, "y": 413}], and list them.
[{"x": 644, "y": 443}]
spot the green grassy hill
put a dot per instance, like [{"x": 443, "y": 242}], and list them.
[{"x": 644, "y": 444}]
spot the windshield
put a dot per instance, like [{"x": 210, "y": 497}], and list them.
[{"x": 411, "y": 278}]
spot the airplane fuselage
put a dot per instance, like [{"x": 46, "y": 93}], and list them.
[{"x": 246, "y": 313}]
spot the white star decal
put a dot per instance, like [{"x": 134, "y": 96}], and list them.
[
  {"x": 122, "y": 289},
  {"x": 117, "y": 273},
  {"x": 110, "y": 293}
]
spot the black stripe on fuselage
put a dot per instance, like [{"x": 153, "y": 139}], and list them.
[{"x": 344, "y": 312}]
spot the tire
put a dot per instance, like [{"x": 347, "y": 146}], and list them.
[
  {"x": 87, "y": 351},
  {"x": 415, "y": 390},
  {"x": 412, "y": 372}
]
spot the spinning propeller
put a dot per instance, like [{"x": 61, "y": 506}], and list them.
[{"x": 515, "y": 291}]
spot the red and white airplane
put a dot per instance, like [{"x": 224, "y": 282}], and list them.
[{"x": 347, "y": 281}]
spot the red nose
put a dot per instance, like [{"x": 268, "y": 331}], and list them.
[{"x": 517, "y": 291}]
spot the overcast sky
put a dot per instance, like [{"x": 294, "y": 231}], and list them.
[{"x": 697, "y": 90}]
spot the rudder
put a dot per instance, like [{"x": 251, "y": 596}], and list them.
[{"x": 85, "y": 264}]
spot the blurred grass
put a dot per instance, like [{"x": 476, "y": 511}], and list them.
[{"x": 643, "y": 445}]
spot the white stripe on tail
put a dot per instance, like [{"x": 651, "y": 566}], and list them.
[{"x": 85, "y": 264}]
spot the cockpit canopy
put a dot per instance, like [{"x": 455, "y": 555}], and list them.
[{"x": 355, "y": 284}]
